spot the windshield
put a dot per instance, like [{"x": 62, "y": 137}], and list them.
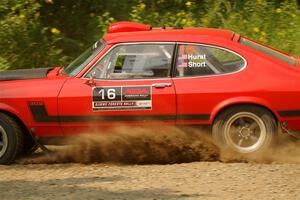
[
  {"x": 80, "y": 62},
  {"x": 268, "y": 51}
]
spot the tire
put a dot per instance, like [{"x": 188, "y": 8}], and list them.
[
  {"x": 244, "y": 129},
  {"x": 11, "y": 139}
]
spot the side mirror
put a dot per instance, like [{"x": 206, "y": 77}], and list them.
[{"x": 91, "y": 80}]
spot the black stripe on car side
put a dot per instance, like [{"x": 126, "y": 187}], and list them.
[
  {"x": 40, "y": 114},
  {"x": 194, "y": 117},
  {"x": 289, "y": 113}
]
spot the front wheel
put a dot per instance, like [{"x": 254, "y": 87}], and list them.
[
  {"x": 11, "y": 139},
  {"x": 245, "y": 129}
]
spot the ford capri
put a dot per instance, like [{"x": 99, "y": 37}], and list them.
[{"x": 245, "y": 91}]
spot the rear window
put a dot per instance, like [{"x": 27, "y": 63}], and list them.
[
  {"x": 268, "y": 51},
  {"x": 205, "y": 60}
]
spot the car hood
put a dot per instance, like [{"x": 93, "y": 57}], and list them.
[{"x": 24, "y": 74}]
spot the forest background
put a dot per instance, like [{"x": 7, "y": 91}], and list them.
[{"x": 45, "y": 33}]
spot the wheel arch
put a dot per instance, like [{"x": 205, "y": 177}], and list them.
[
  {"x": 240, "y": 102},
  {"x": 11, "y": 112}
]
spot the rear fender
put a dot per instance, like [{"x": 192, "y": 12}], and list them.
[{"x": 242, "y": 100}]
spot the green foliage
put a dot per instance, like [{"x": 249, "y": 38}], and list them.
[
  {"x": 25, "y": 42},
  {"x": 52, "y": 32},
  {"x": 270, "y": 22},
  {"x": 4, "y": 65},
  {"x": 277, "y": 25}
]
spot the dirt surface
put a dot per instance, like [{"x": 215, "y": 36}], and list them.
[
  {"x": 198, "y": 180},
  {"x": 156, "y": 163}
]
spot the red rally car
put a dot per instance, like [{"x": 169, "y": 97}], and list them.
[{"x": 246, "y": 91}]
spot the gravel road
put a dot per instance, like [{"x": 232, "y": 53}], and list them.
[
  {"x": 205, "y": 172},
  {"x": 197, "y": 180}
]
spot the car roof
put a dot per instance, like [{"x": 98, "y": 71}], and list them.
[{"x": 169, "y": 35}]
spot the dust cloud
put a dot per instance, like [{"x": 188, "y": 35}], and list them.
[
  {"x": 158, "y": 144},
  {"x": 284, "y": 150}
]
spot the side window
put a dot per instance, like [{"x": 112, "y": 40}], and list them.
[
  {"x": 138, "y": 61},
  {"x": 201, "y": 60}
]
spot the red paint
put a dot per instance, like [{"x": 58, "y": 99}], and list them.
[{"x": 265, "y": 81}]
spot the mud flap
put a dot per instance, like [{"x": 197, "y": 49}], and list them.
[
  {"x": 285, "y": 129},
  {"x": 44, "y": 149}
]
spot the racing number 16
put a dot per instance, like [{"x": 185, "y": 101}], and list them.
[{"x": 109, "y": 93}]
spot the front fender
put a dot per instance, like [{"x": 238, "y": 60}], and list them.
[
  {"x": 6, "y": 108},
  {"x": 10, "y": 110}
]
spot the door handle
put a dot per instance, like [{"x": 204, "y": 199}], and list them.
[{"x": 161, "y": 85}]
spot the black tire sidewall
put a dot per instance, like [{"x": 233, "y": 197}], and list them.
[{"x": 11, "y": 150}]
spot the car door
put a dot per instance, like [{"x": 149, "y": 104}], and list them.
[{"x": 129, "y": 85}]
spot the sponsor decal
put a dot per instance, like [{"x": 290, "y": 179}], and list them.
[{"x": 122, "y": 98}]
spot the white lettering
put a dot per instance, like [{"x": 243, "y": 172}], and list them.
[
  {"x": 195, "y": 64},
  {"x": 194, "y": 57}
]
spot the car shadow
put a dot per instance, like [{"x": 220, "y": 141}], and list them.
[{"x": 84, "y": 188}]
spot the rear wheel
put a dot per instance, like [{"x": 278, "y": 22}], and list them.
[
  {"x": 245, "y": 129},
  {"x": 11, "y": 139}
]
